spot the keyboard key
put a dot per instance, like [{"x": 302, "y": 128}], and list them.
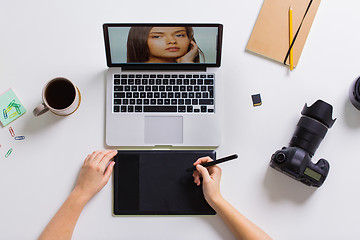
[
  {"x": 206, "y": 101},
  {"x": 116, "y": 81},
  {"x": 116, "y": 108},
  {"x": 117, "y": 101},
  {"x": 189, "y": 109},
  {"x": 119, "y": 95},
  {"x": 116, "y": 75},
  {"x": 203, "y": 108},
  {"x": 209, "y": 82},
  {"x": 138, "y": 108},
  {"x": 130, "y": 108},
  {"x": 118, "y": 88},
  {"x": 160, "y": 108},
  {"x": 181, "y": 109}
]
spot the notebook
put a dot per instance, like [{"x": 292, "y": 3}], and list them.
[
  {"x": 157, "y": 183},
  {"x": 161, "y": 84},
  {"x": 270, "y": 36}
]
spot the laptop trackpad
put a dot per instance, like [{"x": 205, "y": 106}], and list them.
[{"x": 163, "y": 130}]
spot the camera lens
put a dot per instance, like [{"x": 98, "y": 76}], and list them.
[
  {"x": 280, "y": 157},
  {"x": 312, "y": 126}
]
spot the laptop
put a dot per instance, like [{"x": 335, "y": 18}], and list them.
[{"x": 161, "y": 87}]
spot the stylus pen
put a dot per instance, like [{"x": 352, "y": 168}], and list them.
[{"x": 212, "y": 163}]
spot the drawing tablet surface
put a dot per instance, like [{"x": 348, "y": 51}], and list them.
[{"x": 156, "y": 183}]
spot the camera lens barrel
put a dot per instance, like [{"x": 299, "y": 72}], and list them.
[
  {"x": 312, "y": 126},
  {"x": 308, "y": 134}
]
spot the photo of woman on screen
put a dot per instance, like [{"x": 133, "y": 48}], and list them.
[{"x": 162, "y": 45}]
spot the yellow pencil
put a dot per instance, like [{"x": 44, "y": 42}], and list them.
[{"x": 290, "y": 39}]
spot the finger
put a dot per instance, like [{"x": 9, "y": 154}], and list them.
[
  {"x": 203, "y": 160},
  {"x": 203, "y": 172},
  {"x": 100, "y": 155},
  {"x": 87, "y": 159},
  {"x": 108, "y": 156},
  {"x": 196, "y": 176},
  {"x": 109, "y": 171}
]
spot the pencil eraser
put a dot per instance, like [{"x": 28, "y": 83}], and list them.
[{"x": 256, "y": 98}]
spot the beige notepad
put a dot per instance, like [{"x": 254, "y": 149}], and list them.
[{"x": 270, "y": 36}]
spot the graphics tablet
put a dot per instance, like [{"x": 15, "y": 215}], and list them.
[{"x": 156, "y": 183}]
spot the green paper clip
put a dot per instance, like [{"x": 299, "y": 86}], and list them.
[{"x": 9, "y": 152}]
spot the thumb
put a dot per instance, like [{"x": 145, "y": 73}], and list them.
[{"x": 203, "y": 172}]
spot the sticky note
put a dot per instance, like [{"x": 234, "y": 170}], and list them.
[{"x": 10, "y": 106}]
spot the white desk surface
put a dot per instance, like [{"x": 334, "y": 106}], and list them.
[{"x": 40, "y": 40}]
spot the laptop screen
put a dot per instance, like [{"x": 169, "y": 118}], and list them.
[{"x": 163, "y": 46}]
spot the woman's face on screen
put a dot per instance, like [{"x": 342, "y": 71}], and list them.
[{"x": 166, "y": 44}]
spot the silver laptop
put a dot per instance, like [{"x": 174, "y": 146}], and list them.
[{"x": 161, "y": 84}]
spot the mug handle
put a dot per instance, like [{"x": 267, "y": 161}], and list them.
[{"x": 40, "y": 109}]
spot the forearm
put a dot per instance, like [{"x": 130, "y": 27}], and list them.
[
  {"x": 63, "y": 223},
  {"x": 241, "y": 227}
]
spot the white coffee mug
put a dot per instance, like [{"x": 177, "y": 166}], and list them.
[{"x": 60, "y": 96}]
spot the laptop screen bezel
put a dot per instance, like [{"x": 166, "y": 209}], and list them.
[{"x": 163, "y": 66}]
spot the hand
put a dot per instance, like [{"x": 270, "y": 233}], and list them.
[
  {"x": 189, "y": 56},
  {"x": 95, "y": 173},
  {"x": 211, "y": 180}
]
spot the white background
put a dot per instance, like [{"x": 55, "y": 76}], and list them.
[{"x": 40, "y": 40}]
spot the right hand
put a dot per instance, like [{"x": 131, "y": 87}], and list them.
[{"x": 210, "y": 180}]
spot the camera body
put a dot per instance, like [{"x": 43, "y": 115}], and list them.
[
  {"x": 295, "y": 160},
  {"x": 296, "y": 163}
]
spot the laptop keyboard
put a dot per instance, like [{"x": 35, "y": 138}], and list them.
[{"x": 172, "y": 93}]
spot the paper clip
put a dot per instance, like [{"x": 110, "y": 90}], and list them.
[
  {"x": 11, "y": 104},
  {"x": 19, "y": 137},
  {"x": 13, "y": 114},
  {"x": 12, "y": 132},
  {"x": 5, "y": 114},
  {"x": 8, "y": 152}
]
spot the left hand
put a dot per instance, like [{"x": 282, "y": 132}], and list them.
[{"x": 95, "y": 173}]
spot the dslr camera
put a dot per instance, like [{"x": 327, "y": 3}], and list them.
[{"x": 295, "y": 160}]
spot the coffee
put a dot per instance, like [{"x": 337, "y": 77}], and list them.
[{"x": 60, "y": 93}]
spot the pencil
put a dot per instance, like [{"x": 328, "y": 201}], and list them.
[{"x": 291, "y": 39}]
